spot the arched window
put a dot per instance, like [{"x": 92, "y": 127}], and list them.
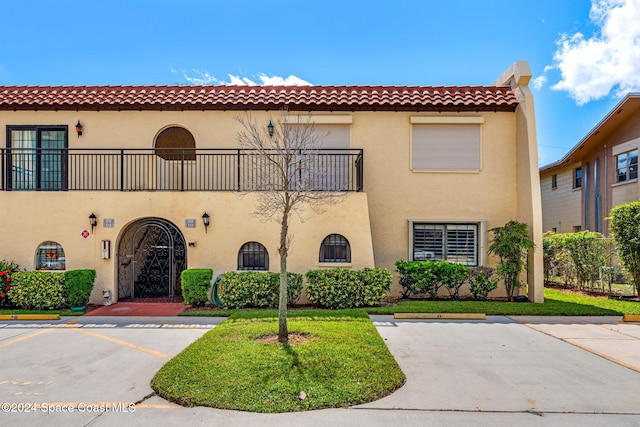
[
  {"x": 253, "y": 256},
  {"x": 171, "y": 139},
  {"x": 335, "y": 248},
  {"x": 50, "y": 256}
]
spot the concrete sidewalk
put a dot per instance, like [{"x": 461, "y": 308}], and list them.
[
  {"x": 464, "y": 373},
  {"x": 606, "y": 336}
]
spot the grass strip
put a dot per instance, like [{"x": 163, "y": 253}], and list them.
[{"x": 343, "y": 362}]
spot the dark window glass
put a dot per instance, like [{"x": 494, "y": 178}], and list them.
[
  {"x": 577, "y": 178},
  {"x": 38, "y": 158},
  {"x": 253, "y": 256},
  {"x": 627, "y": 166},
  {"x": 335, "y": 248},
  {"x": 50, "y": 256}
]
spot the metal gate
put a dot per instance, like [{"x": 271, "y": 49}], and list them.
[{"x": 151, "y": 257}]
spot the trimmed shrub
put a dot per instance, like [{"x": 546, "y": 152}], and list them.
[
  {"x": 482, "y": 281},
  {"x": 428, "y": 277},
  {"x": 257, "y": 289},
  {"x": 196, "y": 283},
  {"x": 38, "y": 290},
  {"x": 79, "y": 284},
  {"x": 415, "y": 277},
  {"x": 341, "y": 288},
  {"x": 452, "y": 276}
]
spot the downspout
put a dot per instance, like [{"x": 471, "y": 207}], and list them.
[{"x": 606, "y": 185}]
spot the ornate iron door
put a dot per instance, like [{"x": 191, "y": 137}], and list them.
[{"x": 151, "y": 257}]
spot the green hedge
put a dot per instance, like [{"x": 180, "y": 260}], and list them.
[
  {"x": 256, "y": 289},
  {"x": 343, "y": 288},
  {"x": 196, "y": 283},
  {"x": 79, "y": 284},
  {"x": 38, "y": 290},
  {"x": 428, "y": 277}
]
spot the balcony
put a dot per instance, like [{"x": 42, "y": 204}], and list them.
[{"x": 46, "y": 169}]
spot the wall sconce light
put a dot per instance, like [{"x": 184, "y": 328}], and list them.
[
  {"x": 93, "y": 220},
  {"x": 79, "y": 128},
  {"x": 270, "y": 128},
  {"x": 205, "y": 221}
]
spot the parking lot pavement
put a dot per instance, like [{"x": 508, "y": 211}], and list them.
[
  {"x": 96, "y": 371},
  {"x": 606, "y": 336}
]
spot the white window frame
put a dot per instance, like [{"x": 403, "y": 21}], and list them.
[
  {"x": 481, "y": 256},
  {"x": 627, "y": 166}
]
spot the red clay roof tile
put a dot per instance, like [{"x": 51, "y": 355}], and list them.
[{"x": 296, "y": 98}]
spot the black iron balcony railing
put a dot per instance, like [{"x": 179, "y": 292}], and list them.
[{"x": 65, "y": 169}]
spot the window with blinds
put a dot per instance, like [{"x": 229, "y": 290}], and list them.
[
  {"x": 451, "y": 242},
  {"x": 445, "y": 147}
]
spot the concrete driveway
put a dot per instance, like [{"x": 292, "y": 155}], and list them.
[{"x": 96, "y": 371}]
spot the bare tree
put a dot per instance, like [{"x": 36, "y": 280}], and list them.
[{"x": 281, "y": 163}]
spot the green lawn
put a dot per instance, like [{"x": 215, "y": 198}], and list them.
[
  {"x": 556, "y": 303},
  {"x": 344, "y": 362}
]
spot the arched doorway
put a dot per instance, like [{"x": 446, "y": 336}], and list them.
[{"x": 151, "y": 256}]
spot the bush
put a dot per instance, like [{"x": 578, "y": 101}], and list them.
[
  {"x": 626, "y": 232},
  {"x": 7, "y": 268},
  {"x": 427, "y": 277},
  {"x": 481, "y": 281},
  {"x": 79, "y": 284},
  {"x": 38, "y": 290},
  {"x": 342, "y": 288},
  {"x": 196, "y": 283},
  {"x": 511, "y": 243},
  {"x": 256, "y": 289},
  {"x": 415, "y": 277}
]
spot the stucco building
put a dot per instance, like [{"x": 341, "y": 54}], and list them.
[
  {"x": 597, "y": 174},
  {"x": 119, "y": 178}
]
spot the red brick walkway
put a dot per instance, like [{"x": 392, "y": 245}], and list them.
[{"x": 139, "y": 309}]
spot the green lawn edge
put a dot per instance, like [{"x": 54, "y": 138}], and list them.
[
  {"x": 345, "y": 362},
  {"x": 60, "y": 312},
  {"x": 557, "y": 303}
]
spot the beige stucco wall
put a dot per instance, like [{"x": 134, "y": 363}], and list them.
[
  {"x": 31, "y": 219},
  {"x": 375, "y": 222},
  {"x": 561, "y": 207}
]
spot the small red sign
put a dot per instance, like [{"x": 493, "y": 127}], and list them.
[{"x": 85, "y": 234}]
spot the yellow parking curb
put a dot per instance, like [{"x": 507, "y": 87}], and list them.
[
  {"x": 456, "y": 316},
  {"x": 631, "y": 317},
  {"x": 29, "y": 317}
]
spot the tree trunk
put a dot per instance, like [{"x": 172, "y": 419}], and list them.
[{"x": 283, "y": 331}]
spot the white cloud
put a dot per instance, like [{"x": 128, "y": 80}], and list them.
[
  {"x": 204, "y": 78},
  {"x": 538, "y": 82},
  {"x": 609, "y": 60}
]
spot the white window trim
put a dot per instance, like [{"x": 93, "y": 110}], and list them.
[{"x": 482, "y": 235}]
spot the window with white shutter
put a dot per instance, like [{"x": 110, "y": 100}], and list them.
[{"x": 451, "y": 242}]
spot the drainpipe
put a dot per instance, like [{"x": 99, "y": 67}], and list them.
[{"x": 606, "y": 186}]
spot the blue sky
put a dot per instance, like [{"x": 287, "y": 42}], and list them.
[{"x": 584, "y": 54}]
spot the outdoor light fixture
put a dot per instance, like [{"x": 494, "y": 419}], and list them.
[
  {"x": 205, "y": 221},
  {"x": 270, "y": 128},
  {"x": 93, "y": 220},
  {"x": 79, "y": 128}
]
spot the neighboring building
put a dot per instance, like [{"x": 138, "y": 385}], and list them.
[
  {"x": 599, "y": 173},
  {"x": 428, "y": 171}
]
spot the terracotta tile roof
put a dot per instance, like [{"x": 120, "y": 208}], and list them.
[{"x": 297, "y": 98}]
